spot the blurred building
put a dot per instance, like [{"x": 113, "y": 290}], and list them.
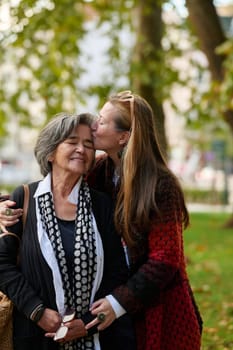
[{"x": 226, "y": 17}]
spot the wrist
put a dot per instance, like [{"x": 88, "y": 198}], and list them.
[{"x": 37, "y": 313}]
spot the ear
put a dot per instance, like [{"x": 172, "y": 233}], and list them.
[
  {"x": 124, "y": 138},
  {"x": 50, "y": 157}
]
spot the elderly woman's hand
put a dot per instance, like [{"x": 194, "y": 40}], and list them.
[
  {"x": 8, "y": 216},
  {"x": 76, "y": 329},
  {"x": 104, "y": 312},
  {"x": 50, "y": 320}
]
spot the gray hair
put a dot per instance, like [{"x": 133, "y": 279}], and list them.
[{"x": 54, "y": 133}]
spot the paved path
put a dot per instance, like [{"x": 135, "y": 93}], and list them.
[{"x": 206, "y": 208}]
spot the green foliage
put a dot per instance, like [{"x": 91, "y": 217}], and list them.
[
  {"x": 226, "y": 87},
  {"x": 203, "y": 196},
  {"x": 210, "y": 99},
  {"x": 7, "y": 189},
  {"x": 41, "y": 54},
  {"x": 3, "y": 124},
  {"x": 42, "y": 45},
  {"x": 42, "y": 48},
  {"x": 209, "y": 250}
]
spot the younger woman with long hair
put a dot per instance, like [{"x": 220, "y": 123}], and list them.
[{"x": 150, "y": 214}]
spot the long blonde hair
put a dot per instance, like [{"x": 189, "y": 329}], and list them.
[{"x": 143, "y": 163}]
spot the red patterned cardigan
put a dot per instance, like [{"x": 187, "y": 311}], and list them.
[{"x": 158, "y": 294}]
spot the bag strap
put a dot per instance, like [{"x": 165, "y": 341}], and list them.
[
  {"x": 3, "y": 234},
  {"x": 25, "y": 203}
]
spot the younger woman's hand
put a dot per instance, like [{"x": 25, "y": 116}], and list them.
[
  {"x": 99, "y": 308},
  {"x": 9, "y": 216}
]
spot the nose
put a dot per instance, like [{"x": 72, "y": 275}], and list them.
[{"x": 79, "y": 148}]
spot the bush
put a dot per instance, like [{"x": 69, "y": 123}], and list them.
[
  {"x": 204, "y": 196},
  {"x": 6, "y": 189}
]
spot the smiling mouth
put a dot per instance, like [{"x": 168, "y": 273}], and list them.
[{"x": 79, "y": 159}]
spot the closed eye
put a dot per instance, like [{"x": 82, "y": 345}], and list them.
[{"x": 88, "y": 144}]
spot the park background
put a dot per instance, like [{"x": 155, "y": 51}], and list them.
[{"x": 69, "y": 55}]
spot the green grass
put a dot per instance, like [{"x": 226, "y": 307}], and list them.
[{"x": 209, "y": 252}]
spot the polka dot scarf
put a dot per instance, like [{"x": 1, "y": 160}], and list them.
[{"x": 85, "y": 260}]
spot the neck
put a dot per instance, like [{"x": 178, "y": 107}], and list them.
[
  {"x": 63, "y": 186},
  {"x": 115, "y": 158}
]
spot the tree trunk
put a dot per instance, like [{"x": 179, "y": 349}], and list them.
[
  {"x": 206, "y": 24},
  {"x": 147, "y": 58},
  {"x": 207, "y": 27}
]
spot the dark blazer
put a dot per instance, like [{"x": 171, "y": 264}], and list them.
[{"x": 30, "y": 283}]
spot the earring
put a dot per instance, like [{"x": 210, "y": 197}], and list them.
[
  {"x": 119, "y": 153},
  {"x": 122, "y": 151}
]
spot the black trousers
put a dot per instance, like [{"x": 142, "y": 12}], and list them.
[{"x": 119, "y": 336}]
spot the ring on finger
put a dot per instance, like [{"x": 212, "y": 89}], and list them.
[
  {"x": 8, "y": 211},
  {"x": 101, "y": 317}
]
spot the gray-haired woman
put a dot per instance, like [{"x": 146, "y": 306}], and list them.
[{"x": 69, "y": 254}]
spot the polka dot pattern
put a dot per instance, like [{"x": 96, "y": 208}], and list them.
[{"x": 85, "y": 258}]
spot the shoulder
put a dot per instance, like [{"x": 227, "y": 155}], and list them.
[
  {"x": 167, "y": 183},
  {"x": 18, "y": 194},
  {"x": 99, "y": 198},
  {"x": 169, "y": 195},
  {"x": 168, "y": 191},
  {"x": 32, "y": 188},
  {"x": 96, "y": 175},
  {"x": 102, "y": 162},
  {"x": 101, "y": 158}
]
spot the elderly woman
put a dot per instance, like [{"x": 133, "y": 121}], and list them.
[{"x": 69, "y": 252}]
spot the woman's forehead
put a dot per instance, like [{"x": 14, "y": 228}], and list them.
[
  {"x": 108, "y": 110},
  {"x": 81, "y": 130}
]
